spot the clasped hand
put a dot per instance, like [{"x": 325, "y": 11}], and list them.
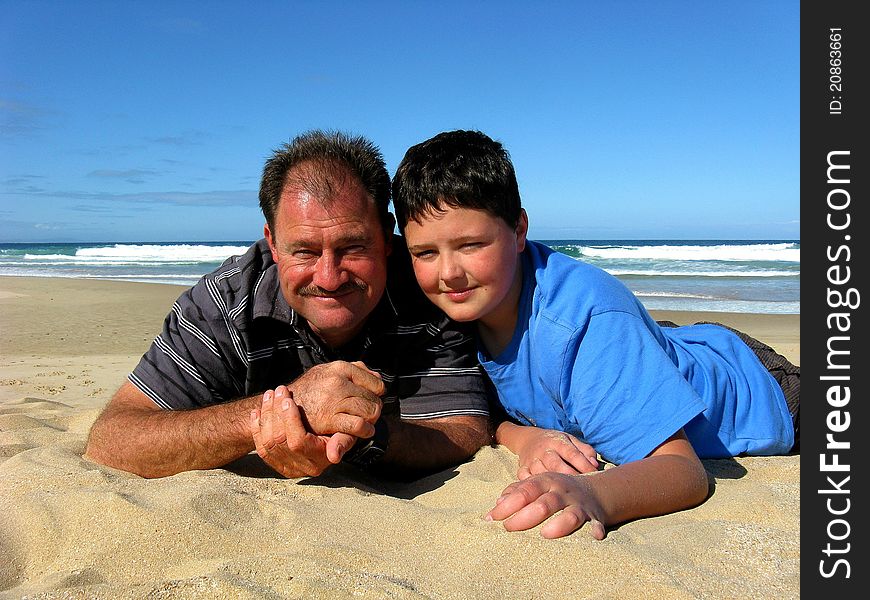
[{"x": 301, "y": 429}]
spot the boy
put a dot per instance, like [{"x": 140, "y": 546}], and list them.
[{"x": 569, "y": 348}]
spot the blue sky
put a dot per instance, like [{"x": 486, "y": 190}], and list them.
[{"x": 150, "y": 121}]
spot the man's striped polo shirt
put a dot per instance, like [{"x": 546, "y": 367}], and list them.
[{"x": 233, "y": 335}]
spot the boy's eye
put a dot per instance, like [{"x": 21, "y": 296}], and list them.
[{"x": 424, "y": 254}]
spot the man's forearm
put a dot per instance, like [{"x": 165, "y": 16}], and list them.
[
  {"x": 157, "y": 443},
  {"x": 433, "y": 444}
]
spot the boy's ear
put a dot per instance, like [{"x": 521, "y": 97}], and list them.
[{"x": 522, "y": 230}]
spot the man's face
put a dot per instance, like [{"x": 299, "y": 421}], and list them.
[{"x": 331, "y": 255}]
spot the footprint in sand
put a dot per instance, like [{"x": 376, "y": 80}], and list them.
[
  {"x": 230, "y": 511},
  {"x": 51, "y": 390}
]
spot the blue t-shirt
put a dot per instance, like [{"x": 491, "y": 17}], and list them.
[{"x": 587, "y": 358}]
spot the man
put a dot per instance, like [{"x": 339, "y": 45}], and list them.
[{"x": 324, "y": 309}]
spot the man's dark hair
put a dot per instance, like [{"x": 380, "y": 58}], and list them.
[
  {"x": 334, "y": 156},
  {"x": 457, "y": 169}
]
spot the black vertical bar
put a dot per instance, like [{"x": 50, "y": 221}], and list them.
[{"x": 835, "y": 234}]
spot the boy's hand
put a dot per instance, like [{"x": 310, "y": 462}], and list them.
[
  {"x": 544, "y": 450},
  {"x": 525, "y": 504}
]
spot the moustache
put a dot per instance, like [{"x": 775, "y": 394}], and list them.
[{"x": 344, "y": 288}]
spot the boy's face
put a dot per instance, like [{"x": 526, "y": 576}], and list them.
[{"x": 467, "y": 263}]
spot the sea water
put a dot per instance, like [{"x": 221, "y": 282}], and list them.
[{"x": 759, "y": 276}]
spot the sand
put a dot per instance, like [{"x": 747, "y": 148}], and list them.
[{"x": 70, "y": 528}]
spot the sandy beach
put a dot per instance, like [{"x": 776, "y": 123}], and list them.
[{"x": 70, "y": 528}]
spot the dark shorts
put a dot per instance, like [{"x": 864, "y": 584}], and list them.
[{"x": 787, "y": 375}]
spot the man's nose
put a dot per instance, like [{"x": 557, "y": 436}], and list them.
[{"x": 328, "y": 272}]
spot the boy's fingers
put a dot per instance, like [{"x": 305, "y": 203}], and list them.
[
  {"x": 567, "y": 468},
  {"x": 596, "y": 528},
  {"x": 586, "y": 450},
  {"x": 524, "y": 472},
  {"x": 522, "y": 494},
  {"x": 565, "y": 523},
  {"x": 535, "y": 513},
  {"x": 578, "y": 460}
]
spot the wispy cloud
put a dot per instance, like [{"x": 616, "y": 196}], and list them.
[
  {"x": 114, "y": 151},
  {"x": 188, "y": 138},
  {"x": 15, "y": 180},
  {"x": 24, "y": 184},
  {"x": 21, "y": 118},
  {"x": 91, "y": 208},
  {"x": 92, "y": 200},
  {"x": 213, "y": 198},
  {"x": 128, "y": 175}
]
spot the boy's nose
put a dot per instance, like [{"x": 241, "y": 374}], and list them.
[{"x": 451, "y": 270}]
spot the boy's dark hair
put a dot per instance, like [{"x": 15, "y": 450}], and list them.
[
  {"x": 458, "y": 169},
  {"x": 334, "y": 156}
]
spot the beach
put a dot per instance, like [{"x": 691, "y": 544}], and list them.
[{"x": 71, "y": 528}]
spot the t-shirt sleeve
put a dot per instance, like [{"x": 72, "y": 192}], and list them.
[
  {"x": 196, "y": 359},
  {"x": 622, "y": 389},
  {"x": 440, "y": 376}
]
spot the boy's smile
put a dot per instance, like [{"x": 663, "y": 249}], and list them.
[{"x": 467, "y": 263}]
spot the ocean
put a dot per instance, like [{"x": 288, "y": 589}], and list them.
[{"x": 759, "y": 276}]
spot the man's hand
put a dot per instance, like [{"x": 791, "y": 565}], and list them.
[
  {"x": 285, "y": 445},
  {"x": 339, "y": 397}
]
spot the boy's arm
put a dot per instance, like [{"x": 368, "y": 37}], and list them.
[{"x": 671, "y": 478}]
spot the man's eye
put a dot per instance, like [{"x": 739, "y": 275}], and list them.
[{"x": 303, "y": 253}]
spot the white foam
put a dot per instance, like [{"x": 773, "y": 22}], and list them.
[
  {"x": 690, "y": 273},
  {"x": 731, "y": 252},
  {"x": 140, "y": 254}
]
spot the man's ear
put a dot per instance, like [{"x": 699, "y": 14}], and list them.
[
  {"x": 522, "y": 230},
  {"x": 267, "y": 233}
]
